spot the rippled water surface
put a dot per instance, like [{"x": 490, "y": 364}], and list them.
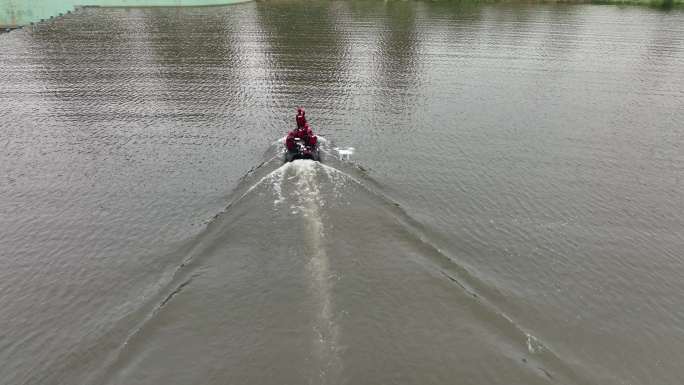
[{"x": 512, "y": 212}]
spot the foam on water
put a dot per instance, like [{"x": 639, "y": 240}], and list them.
[
  {"x": 307, "y": 200},
  {"x": 344, "y": 153}
]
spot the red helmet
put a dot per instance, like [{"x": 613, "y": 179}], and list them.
[{"x": 300, "y": 111}]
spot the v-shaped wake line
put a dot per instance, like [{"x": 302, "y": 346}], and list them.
[{"x": 300, "y": 192}]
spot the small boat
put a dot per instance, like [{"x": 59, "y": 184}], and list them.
[{"x": 302, "y": 151}]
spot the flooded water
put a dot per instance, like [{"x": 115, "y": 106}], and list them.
[{"x": 512, "y": 212}]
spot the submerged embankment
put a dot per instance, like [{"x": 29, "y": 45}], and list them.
[{"x": 17, "y": 13}]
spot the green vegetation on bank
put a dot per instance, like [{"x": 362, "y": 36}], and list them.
[{"x": 651, "y": 3}]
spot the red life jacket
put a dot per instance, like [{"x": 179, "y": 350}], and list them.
[
  {"x": 290, "y": 140},
  {"x": 301, "y": 120},
  {"x": 308, "y": 136},
  {"x": 304, "y": 134}
]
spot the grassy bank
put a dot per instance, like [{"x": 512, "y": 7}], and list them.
[
  {"x": 652, "y": 3},
  {"x": 648, "y": 3}
]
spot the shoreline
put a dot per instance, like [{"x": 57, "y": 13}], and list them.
[
  {"x": 39, "y": 17},
  {"x": 664, "y": 4}
]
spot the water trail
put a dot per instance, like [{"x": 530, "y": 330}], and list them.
[
  {"x": 326, "y": 332},
  {"x": 548, "y": 362},
  {"x": 304, "y": 201}
]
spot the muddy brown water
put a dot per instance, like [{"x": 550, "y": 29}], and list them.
[{"x": 512, "y": 212}]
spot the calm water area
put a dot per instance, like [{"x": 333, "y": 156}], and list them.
[{"x": 512, "y": 212}]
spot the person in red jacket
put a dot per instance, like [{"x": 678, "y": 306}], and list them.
[
  {"x": 305, "y": 134},
  {"x": 309, "y": 138},
  {"x": 290, "y": 140},
  {"x": 301, "y": 117}
]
